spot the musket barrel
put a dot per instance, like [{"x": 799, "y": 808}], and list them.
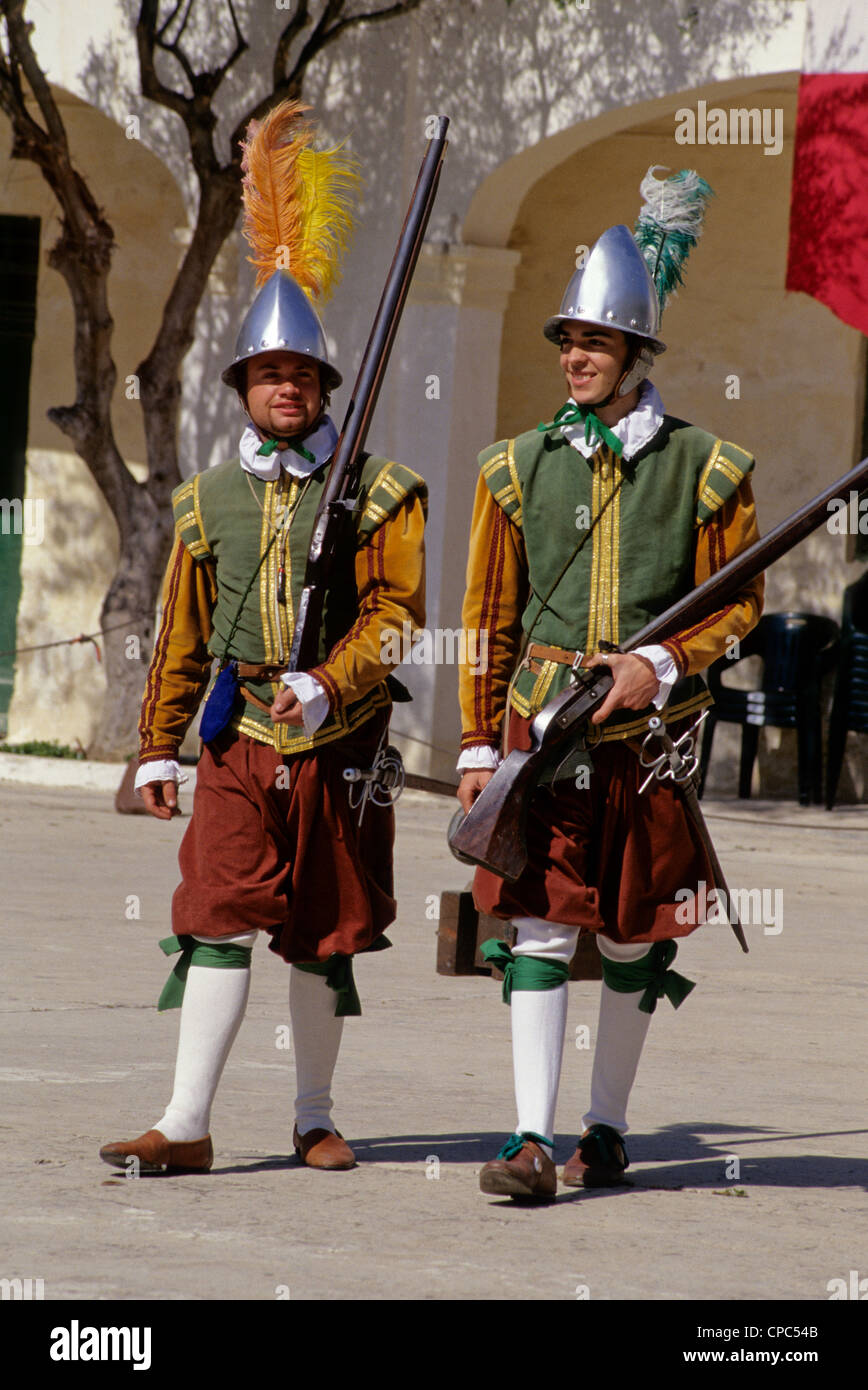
[
  {"x": 749, "y": 563},
  {"x": 342, "y": 479}
]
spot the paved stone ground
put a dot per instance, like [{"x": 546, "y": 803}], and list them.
[{"x": 749, "y": 1134}]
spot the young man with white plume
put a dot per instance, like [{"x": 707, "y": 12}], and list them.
[
  {"x": 666, "y": 504},
  {"x": 274, "y": 844}
]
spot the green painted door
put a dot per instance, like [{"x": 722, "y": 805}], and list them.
[{"x": 19, "y": 259}]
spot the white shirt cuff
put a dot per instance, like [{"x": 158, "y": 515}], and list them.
[
  {"x": 160, "y": 770},
  {"x": 314, "y": 701},
  {"x": 480, "y": 756},
  {"x": 664, "y": 669}
]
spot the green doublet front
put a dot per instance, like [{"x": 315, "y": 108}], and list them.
[
  {"x": 610, "y": 544},
  {"x": 232, "y": 518}
]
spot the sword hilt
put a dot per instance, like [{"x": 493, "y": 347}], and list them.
[{"x": 672, "y": 763}]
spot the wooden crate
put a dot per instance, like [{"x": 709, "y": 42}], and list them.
[{"x": 462, "y": 930}]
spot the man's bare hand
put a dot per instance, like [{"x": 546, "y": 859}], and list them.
[
  {"x": 635, "y": 683},
  {"x": 161, "y": 799},
  {"x": 471, "y": 785},
  {"x": 287, "y": 708}
]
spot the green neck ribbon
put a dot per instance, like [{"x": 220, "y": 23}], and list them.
[
  {"x": 268, "y": 448},
  {"x": 523, "y": 972},
  {"x": 650, "y": 973},
  {"x": 215, "y": 955},
  {"x": 572, "y": 414}
]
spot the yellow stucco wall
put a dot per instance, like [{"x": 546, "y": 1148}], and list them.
[{"x": 800, "y": 370}]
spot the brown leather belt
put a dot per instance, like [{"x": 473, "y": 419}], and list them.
[
  {"x": 247, "y": 671},
  {"x": 251, "y": 671},
  {"x": 537, "y": 653},
  {"x": 254, "y": 699}
]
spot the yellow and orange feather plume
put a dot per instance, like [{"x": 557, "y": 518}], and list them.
[{"x": 298, "y": 202}]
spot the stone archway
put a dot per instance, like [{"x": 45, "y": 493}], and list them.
[{"x": 58, "y": 692}]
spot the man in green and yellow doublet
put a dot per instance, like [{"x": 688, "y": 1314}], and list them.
[
  {"x": 226, "y": 520},
  {"x": 274, "y": 844},
  {"x": 583, "y": 530}
]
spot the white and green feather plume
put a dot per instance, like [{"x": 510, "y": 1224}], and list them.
[{"x": 669, "y": 225}]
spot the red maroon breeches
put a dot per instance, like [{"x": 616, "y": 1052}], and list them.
[
  {"x": 604, "y": 858},
  {"x": 274, "y": 844}
]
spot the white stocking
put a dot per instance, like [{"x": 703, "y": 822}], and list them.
[
  {"x": 211, "y": 1014},
  {"x": 316, "y": 1038},
  {"x": 620, "y": 1038},
  {"x": 538, "y": 1021}
]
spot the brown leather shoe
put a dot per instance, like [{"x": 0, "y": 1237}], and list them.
[
  {"x": 157, "y": 1154},
  {"x": 599, "y": 1161},
  {"x": 521, "y": 1169},
  {"x": 320, "y": 1148}
]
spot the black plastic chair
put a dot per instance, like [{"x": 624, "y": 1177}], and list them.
[
  {"x": 850, "y": 700},
  {"x": 797, "y": 650}
]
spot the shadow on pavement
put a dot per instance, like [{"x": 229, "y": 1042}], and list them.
[{"x": 677, "y": 1156}]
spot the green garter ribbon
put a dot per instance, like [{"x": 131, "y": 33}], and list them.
[
  {"x": 523, "y": 972},
  {"x": 573, "y": 414},
  {"x": 515, "y": 1142},
  {"x": 215, "y": 955},
  {"x": 338, "y": 973},
  {"x": 651, "y": 973}
]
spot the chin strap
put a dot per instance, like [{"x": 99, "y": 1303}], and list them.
[{"x": 636, "y": 373}]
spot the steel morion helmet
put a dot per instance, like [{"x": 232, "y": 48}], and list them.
[
  {"x": 281, "y": 317},
  {"x": 629, "y": 276},
  {"x": 297, "y": 220},
  {"x": 614, "y": 289}
]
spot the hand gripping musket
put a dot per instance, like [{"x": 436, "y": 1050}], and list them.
[
  {"x": 492, "y": 833},
  {"x": 339, "y": 494},
  {"x": 678, "y": 763}
]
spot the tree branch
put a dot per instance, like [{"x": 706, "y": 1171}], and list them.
[
  {"x": 300, "y": 20},
  {"x": 82, "y": 254},
  {"x": 146, "y": 40},
  {"x": 174, "y": 46},
  {"x": 19, "y": 30},
  {"x": 289, "y": 84},
  {"x": 322, "y": 36}
]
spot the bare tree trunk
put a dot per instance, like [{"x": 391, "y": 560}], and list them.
[{"x": 127, "y": 620}]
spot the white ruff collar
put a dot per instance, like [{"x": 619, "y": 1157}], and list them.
[
  {"x": 321, "y": 443},
  {"x": 634, "y": 430}
]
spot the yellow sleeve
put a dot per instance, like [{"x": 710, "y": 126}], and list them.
[
  {"x": 729, "y": 531},
  {"x": 497, "y": 588},
  {"x": 390, "y": 578},
  {"x": 181, "y": 664}
]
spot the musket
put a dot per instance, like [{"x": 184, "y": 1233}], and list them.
[
  {"x": 341, "y": 487},
  {"x": 492, "y": 832}
]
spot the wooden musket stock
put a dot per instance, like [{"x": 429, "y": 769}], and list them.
[
  {"x": 492, "y": 833},
  {"x": 342, "y": 485}
]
